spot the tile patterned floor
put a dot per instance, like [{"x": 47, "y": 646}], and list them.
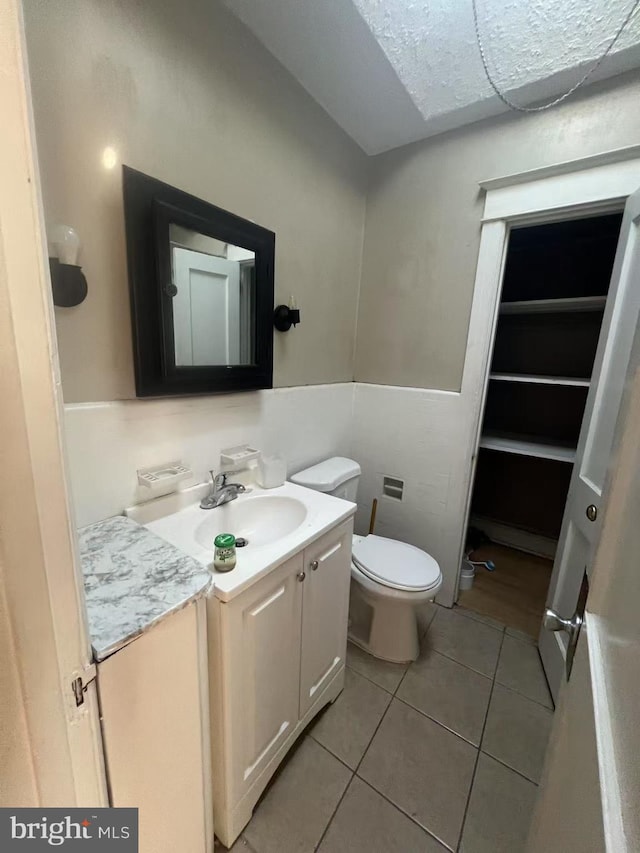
[{"x": 444, "y": 754}]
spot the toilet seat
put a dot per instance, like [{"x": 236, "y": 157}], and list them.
[{"x": 394, "y": 564}]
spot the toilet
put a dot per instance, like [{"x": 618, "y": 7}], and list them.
[{"x": 389, "y": 579}]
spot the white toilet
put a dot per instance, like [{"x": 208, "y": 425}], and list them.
[{"x": 389, "y": 579}]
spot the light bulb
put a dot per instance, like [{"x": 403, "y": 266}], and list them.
[
  {"x": 65, "y": 244},
  {"x": 292, "y": 302},
  {"x": 109, "y": 157}
]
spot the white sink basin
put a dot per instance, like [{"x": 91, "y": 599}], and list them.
[
  {"x": 277, "y": 523},
  {"x": 260, "y": 519}
]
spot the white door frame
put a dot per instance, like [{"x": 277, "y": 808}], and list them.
[
  {"x": 592, "y": 185},
  {"x": 39, "y": 576}
]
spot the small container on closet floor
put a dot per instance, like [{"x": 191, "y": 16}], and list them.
[{"x": 467, "y": 574}]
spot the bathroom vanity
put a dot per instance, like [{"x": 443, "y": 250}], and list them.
[
  {"x": 277, "y": 654},
  {"x": 276, "y": 625},
  {"x": 147, "y": 621},
  {"x": 154, "y": 712}
]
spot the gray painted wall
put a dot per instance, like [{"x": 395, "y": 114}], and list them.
[
  {"x": 195, "y": 100},
  {"x": 423, "y": 227}
]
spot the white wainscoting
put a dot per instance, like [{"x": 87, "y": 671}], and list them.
[
  {"x": 108, "y": 442},
  {"x": 422, "y": 437}
]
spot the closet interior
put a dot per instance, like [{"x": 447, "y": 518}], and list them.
[{"x": 552, "y": 304}]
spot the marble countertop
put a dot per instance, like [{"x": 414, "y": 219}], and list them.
[{"x": 133, "y": 579}]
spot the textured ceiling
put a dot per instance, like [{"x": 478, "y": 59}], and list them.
[{"x": 394, "y": 71}]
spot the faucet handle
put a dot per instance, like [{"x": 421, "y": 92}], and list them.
[{"x": 218, "y": 480}]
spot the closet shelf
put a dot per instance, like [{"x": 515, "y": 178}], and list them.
[
  {"x": 551, "y": 306},
  {"x": 540, "y": 380},
  {"x": 525, "y": 446}
]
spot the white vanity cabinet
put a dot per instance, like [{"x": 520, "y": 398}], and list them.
[
  {"x": 276, "y": 657},
  {"x": 260, "y": 640},
  {"x": 325, "y": 606},
  {"x": 155, "y": 728}
]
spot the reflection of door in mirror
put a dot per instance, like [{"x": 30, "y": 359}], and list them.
[{"x": 213, "y": 305}]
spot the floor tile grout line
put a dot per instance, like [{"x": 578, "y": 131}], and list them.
[
  {"x": 509, "y": 767},
  {"x": 332, "y": 754},
  {"x": 386, "y": 690},
  {"x": 466, "y": 665},
  {"x": 466, "y": 613},
  {"x": 524, "y": 696},
  {"x": 402, "y": 811},
  {"x": 460, "y": 611},
  {"x": 335, "y": 811},
  {"x": 479, "y": 751},
  {"x": 362, "y": 757},
  {"x": 438, "y": 722},
  {"x": 404, "y": 675}
]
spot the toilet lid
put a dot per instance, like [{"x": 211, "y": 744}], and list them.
[{"x": 395, "y": 564}]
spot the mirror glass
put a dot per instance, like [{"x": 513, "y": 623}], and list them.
[{"x": 213, "y": 300}]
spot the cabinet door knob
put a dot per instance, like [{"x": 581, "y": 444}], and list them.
[
  {"x": 301, "y": 576},
  {"x": 314, "y": 565}
]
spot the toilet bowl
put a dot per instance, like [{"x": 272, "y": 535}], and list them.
[{"x": 389, "y": 579}]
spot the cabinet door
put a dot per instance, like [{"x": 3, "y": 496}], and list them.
[
  {"x": 263, "y": 666},
  {"x": 325, "y": 607},
  {"x": 151, "y": 698}
]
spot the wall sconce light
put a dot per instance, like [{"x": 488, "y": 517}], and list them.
[
  {"x": 286, "y": 316},
  {"x": 67, "y": 279}
]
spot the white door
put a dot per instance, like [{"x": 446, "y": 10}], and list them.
[
  {"x": 262, "y": 659},
  {"x": 47, "y": 646},
  {"x": 582, "y": 518},
  {"x": 327, "y": 567},
  {"x": 206, "y": 309},
  {"x": 589, "y": 798}
]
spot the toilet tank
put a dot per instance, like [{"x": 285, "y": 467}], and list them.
[{"x": 336, "y": 476}]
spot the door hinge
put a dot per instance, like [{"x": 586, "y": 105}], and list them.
[{"x": 81, "y": 682}]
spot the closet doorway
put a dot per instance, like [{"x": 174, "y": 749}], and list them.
[
  {"x": 554, "y": 294},
  {"x": 556, "y": 308}
]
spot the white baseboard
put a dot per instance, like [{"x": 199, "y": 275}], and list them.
[{"x": 513, "y": 537}]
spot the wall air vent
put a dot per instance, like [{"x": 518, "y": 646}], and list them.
[{"x": 392, "y": 487}]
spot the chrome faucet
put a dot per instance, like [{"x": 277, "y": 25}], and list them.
[{"x": 221, "y": 491}]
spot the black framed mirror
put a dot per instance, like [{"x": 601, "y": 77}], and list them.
[{"x": 201, "y": 289}]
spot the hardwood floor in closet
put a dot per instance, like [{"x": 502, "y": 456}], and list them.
[{"x": 515, "y": 593}]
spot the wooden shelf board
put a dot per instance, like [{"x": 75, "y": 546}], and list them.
[
  {"x": 540, "y": 380},
  {"x": 525, "y": 446},
  {"x": 546, "y": 306}
]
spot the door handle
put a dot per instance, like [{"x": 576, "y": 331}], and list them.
[
  {"x": 553, "y": 622},
  {"x": 301, "y": 576},
  {"x": 314, "y": 565},
  {"x": 592, "y": 512}
]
